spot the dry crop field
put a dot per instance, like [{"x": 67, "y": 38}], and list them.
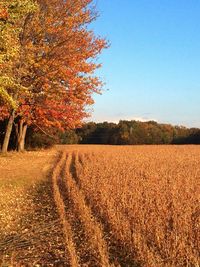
[{"x": 110, "y": 206}]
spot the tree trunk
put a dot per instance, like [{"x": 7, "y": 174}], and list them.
[
  {"x": 21, "y": 134},
  {"x": 8, "y": 132}
]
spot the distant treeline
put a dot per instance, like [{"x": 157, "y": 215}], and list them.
[
  {"x": 123, "y": 133},
  {"x": 131, "y": 133},
  {"x": 134, "y": 133}
]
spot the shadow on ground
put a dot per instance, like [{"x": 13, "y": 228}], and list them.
[{"x": 39, "y": 242}]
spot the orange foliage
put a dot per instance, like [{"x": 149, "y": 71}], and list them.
[
  {"x": 4, "y": 14},
  {"x": 57, "y": 64}
]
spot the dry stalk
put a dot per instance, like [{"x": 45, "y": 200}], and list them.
[
  {"x": 74, "y": 261},
  {"x": 149, "y": 195},
  {"x": 92, "y": 227}
]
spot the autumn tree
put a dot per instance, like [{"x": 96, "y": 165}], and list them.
[
  {"x": 57, "y": 66},
  {"x": 12, "y": 16}
]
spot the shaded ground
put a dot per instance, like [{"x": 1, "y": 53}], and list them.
[{"x": 30, "y": 231}]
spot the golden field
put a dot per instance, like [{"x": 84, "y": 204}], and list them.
[{"x": 117, "y": 206}]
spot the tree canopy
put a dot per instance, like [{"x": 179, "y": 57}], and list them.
[
  {"x": 135, "y": 133},
  {"x": 12, "y": 14},
  {"x": 47, "y": 75}
]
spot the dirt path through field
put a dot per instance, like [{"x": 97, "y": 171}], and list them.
[
  {"x": 84, "y": 238},
  {"x": 30, "y": 229}
]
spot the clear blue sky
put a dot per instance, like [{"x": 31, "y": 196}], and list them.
[{"x": 152, "y": 69}]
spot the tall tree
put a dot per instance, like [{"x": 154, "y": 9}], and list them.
[
  {"x": 57, "y": 64},
  {"x": 12, "y": 16}
]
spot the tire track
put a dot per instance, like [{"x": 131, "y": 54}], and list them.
[
  {"x": 86, "y": 239},
  {"x": 92, "y": 227},
  {"x": 67, "y": 230},
  {"x": 77, "y": 243},
  {"x": 86, "y": 258}
]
